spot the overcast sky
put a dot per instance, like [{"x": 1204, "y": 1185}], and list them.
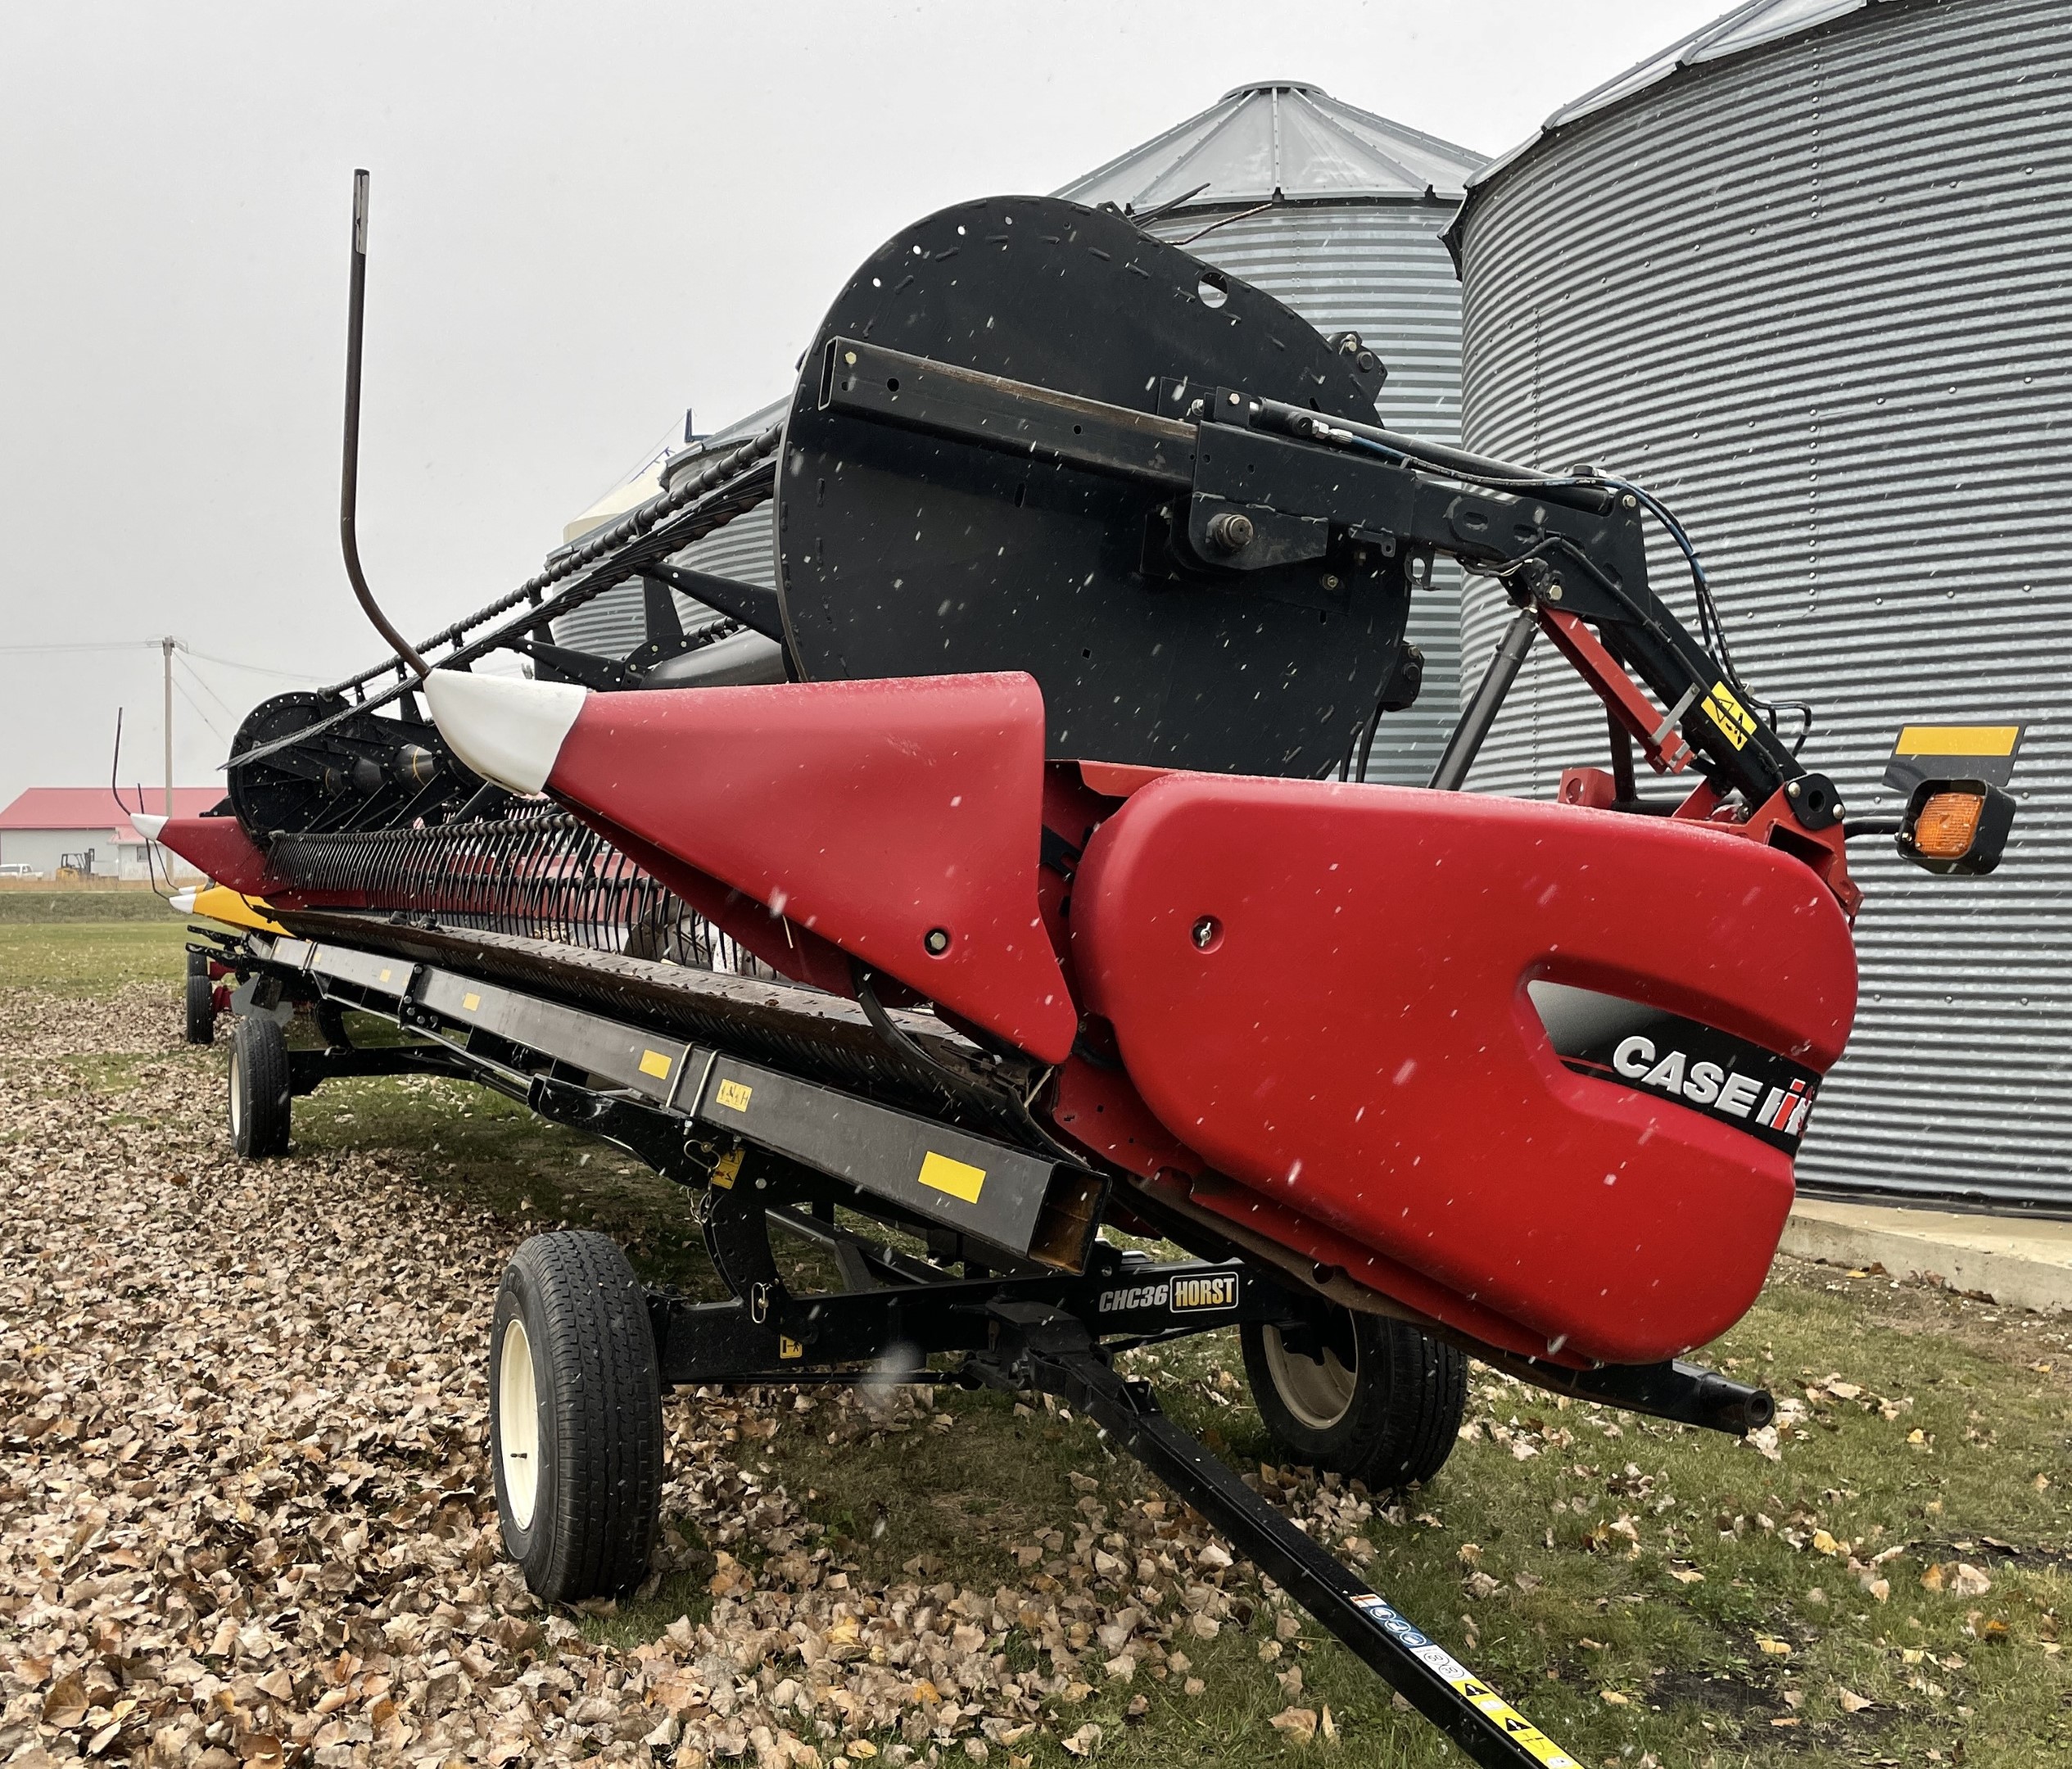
[{"x": 587, "y": 217}]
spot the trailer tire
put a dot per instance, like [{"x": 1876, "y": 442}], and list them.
[
  {"x": 201, "y": 1000},
  {"x": 261, "y": 1107},
  {"x": 1389, "y": 1420},
  {"x": 575, "y": 1418}
]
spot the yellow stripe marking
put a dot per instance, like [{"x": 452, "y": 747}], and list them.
[
  {"x": 654, "y": 1063},
  {"x": 959, "y": 1179},
  {"x": 1957, "y": 739}
]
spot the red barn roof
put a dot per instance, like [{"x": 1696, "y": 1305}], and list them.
[{"x": 95, "y": 808}]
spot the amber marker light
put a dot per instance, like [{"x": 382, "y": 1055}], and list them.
[
  {"x": 1957, "y": 826},
  {"x": 1947, "y": 825}
]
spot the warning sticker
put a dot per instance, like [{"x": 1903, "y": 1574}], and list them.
[
  {"x": 1733, "y": 719},
  {"x": 654, "y": 1063},
  {"x": 1485, "y": 1700},
  {"x": 733, "y": 1095}
]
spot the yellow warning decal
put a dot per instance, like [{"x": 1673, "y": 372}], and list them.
[
  {"x": 790, "y": 1348},
  {"x": 959, "y": 1179},
  {"x": 1520, "y": 1731},
  {"x": 733, "y": 1095},
  {"x": 1728, "y": 713},
  {"x": 469, "y": 1003},
  {"x": 654, "y": 1063},
  {"x": 386, "y": 974},
  {"x": 727, "y": 1169},
  {"x": 1957, "y": 739}
]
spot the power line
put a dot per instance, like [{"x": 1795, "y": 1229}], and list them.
[
  {"x": 200, "y": 712},
  {"x": 155, "y": 644},
  {"x": 202, "y": 682}
]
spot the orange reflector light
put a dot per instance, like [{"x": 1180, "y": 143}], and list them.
[{"x": 1947, "y": 825}]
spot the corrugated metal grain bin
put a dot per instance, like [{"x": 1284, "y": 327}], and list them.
[
  {"x": 613, "y": 623},
  {"x": 1808, "y": 275},
  {"x": 1338, "y": 213}
]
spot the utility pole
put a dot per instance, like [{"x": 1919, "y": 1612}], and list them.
[{"x": 168, "y": 644}]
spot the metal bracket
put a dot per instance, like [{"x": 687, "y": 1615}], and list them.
[{"x": 1048, "y": 1351}]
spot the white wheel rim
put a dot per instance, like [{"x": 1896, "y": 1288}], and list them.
[
  {"x": 1319, "y": 1391},
  {"x": 237, "y": 1098},
  {"x": 518, "y": 1423}
]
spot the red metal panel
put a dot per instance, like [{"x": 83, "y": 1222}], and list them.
[
  {"x": 872, "y": 814},
  {"x": 219, "y": 847},
  {"x": 1349, "y": 1034}
]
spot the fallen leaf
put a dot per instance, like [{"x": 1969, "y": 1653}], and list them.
[
  {"x": 1851, "y": 1702},
  {"x": 1300, "y": 1723},
  {"x": 66, "y": 1704}
]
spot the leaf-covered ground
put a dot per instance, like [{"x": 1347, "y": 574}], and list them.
[{"x": 244, "y": 1512}]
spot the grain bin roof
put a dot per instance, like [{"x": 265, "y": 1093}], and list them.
[
  {"x": 1753, "y": 26},
  {"x": 1279, "y": 140}
]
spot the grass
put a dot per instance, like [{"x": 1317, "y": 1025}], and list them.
[
  {"x": 42, "y": 904},
  {"x": 87, "y": 958},
  {"x": 1646, "y": 1591}
]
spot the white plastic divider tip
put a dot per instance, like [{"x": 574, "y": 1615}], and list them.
[{"x": 505, "y": 728}]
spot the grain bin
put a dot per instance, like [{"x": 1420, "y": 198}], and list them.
[
  {"x": 1338, "y": 213},
  {"x": 613, "y": 623},
  {"x": 1808, "y": 274}
]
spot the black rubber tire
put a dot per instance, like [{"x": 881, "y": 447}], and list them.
[
  {"x": 1400, "y": 1421},
  {"x": 597, "y": 1502},
  {"x": 261, "y": 1107},
  {"x": 201, "y": 1006}
]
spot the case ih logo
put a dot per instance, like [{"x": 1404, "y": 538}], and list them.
[
  {"x": 1729, "y": 1092},
  {"x": 1665, "y": 1055},
  {"x": 1184, "y": 1295}
]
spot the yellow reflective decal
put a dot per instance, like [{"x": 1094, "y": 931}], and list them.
[
  {"x": 469, "y": 1003},
  {"x": 654, "y": 1063},
  {"x": 1957, "y": 739},
  {"x": 386, "y": 974},
  {"x": 959, "y": 1179},
  {"x": 733, "y": 1095}
]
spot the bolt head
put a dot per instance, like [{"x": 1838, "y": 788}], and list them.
[
  {"x": 1791, "y": 791},
  {"x": 1207, "y": 933},
  {"x": 937, "y": 940},
  {"x": 1553, "y": 592},
  {"x": 1331, "y": 580}
]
